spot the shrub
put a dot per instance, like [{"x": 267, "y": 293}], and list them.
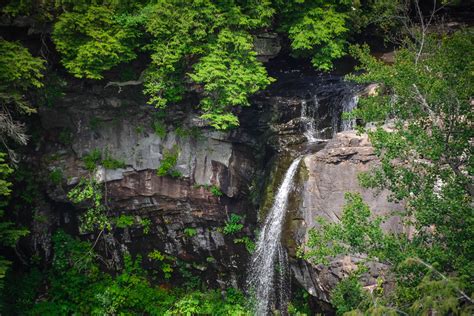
[
  {"x": 56, "y": 176},
  {"x": 160, "y": 128},
  {"x": 92, "y": 159},
  {"x": 124, "y": 221},
  {"x": 111, "y": 163},
  {"x": 190, "y": 232},
  {"x": 233, "y": 225},
  {"x": 249, "y": 244},
  {"x": 216, "y": 191},
  {"x": 170, "y": 158},
  {"x": 347, "y": 295}
]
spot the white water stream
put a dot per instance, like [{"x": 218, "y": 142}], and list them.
[
  {"x": 269, "y": 264},
  {"x": 347, "y": 106},
  {"x": 269, "y": 277},
  {"x": 307, "y": 114}
]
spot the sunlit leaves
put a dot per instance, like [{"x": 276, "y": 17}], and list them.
[
  {"x": 321, "y": 31},
  {"x": 230, "y": 73},
  {"x": 93, "y": 41}
]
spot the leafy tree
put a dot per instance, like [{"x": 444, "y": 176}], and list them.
[
  {"x": 94, "y": 40},
  {"x": 217, "y": 33},
  {"x": 19, "y": 73},
  {"x": 322, "y": 29},
  {"x": 203, "y": 44},
  {"x": 9, "y": 232},
  {"x": 230, "y": 73},
  {"x": 426, "y": 162}
]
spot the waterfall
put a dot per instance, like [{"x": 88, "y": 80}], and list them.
[
  {"x": 268, "y": 275},
  {"x": 307, "y": 116},
  {"x": 347, "y": 106}
]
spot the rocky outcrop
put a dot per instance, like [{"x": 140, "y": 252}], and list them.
[
  {"x": 327, "y": 175},
  {"x": 267, "y": 46},
  {"x": 184, "y": 218}
]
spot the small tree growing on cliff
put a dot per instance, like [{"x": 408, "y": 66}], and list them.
[{"x": 19, "y": 73}]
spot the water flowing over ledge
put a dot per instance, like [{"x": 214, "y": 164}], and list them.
[{"x": 268, "y": 278}]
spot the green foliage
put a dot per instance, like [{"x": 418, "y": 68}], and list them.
[
  {"x": 211, "y": 303},
  {"x": 145, "y": 223},
  {"x": 215, "y": 191},
  {"x": 322, "y": 31},
  {"x": 52, "y": 90},
  {"x": 124, "y": 221},
  {"x": 26, "y": 178},
  {"x": 299, "y": 304},
  {"x": 166, "y": 262},
  {"x": 9, "y": 232},
  {"x": 20, "y": 291},
  {"x": 356, "y": 232},
  {"x": 160, "y": 128},
  {"x": 56, "y": 176},
  {"x": 249, "y": 244},
  {"x": 190, "y": 231},
  {"x": 139, "y": 129},
  {"x": 230, "y": 73},
  {"x": 233, "y": 225},
  {"x": 92, "y": 159},
  {"x": 77, "y": 286},
  {"x": 426, "y": 162},
  {"x": 20, "y": 73},
  {"x": 110, "y": 163},
  {"x": 88, "y": 191},
  {"x": 95, "y": 158},
  {"x": 348, "y": 294},
  {"x": 168, "y": 162},
  {"x": 201, "y": 42},
  {"x": 93, "y": 40}
]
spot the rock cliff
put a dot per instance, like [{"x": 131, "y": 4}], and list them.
[{"x": 186, "y": 218}]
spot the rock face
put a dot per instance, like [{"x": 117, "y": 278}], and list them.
[
  {"x": 184, "y": 218},
  {"x": 327, "y": 175},
  {"x": 267, "y": 46}
]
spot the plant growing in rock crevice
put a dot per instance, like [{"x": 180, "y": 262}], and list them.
[
  {"x": 249, "y": 243},
  {"x": 233, "y": 225},
  {"x": 165, "y": 261},
  {"x": 190, "y": 231},
  {"x": 90, "y": 192},
  {"x": 168, "y": 162},
  {"x": 96, "y": 158}
]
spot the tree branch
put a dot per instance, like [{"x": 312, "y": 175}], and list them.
[
  {"x": 430, "y": 267},
  {"x": 123, "y": 84}
]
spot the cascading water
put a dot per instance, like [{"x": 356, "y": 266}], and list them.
[
  {"x": 307, "y": 116},
  {"x": 347, "y": 106},
  {"x": 269, "y": 276},
  {"x": 268, "y": 279}
]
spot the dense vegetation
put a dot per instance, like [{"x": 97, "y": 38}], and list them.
[
  {"x": 203, "y": 42},
  {"x": 78, "y": 287},
  {"x": 426, "y": 163},
  {"x": 423, "y": 135}
]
